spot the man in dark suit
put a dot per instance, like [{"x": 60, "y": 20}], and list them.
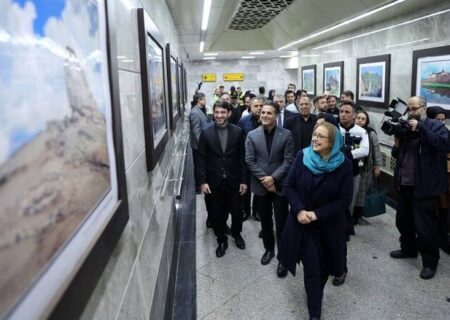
[
  {"x": 223, "y": 174},
  {"x": 269, "y": 151},
  {"x": 284, "y": 114},
  {"x": 301, "y": 125},
  {"x": 235, "y": 112}
]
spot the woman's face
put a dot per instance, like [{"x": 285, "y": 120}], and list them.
[
  {"x": 321, "y": 141},
  {"x": 361, "y": 119}
]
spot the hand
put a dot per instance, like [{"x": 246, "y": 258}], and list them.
[
  {"x": 242, "y": 188},
  {"x": 311, "y": 215},
  {"x": 413, "y": 124},
  {"x": 302, "y": 217},
  {"x": 267, "y": 181},
  {"x": 205, "y": 188},
  {"x": 376, "y": 171}
]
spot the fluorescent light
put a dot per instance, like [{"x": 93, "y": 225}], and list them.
[
  {"x": 209, "y": 58},
  {"x": 211, "y": 54},
  {"x": 332, "y": 51},
  {"x": 202, "y": 46},
  {"x": 382, "y": 29},
  {"x": 364, "y": 15},
  {"x": 256, "y": 52},
  {"x": 406, "y": 43},
  {"x": 247, "y": 57},
  {"x": 206, "y": 11},
  {"x": 284, "y": 56},
  {"x": 309, "y": 55}
]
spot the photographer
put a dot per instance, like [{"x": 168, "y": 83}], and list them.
[{"x": 420, "y": 179}]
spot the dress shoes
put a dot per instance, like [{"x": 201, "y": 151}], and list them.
[
  {"x": 427, "y": 273},
  {"x": 227, "y": 229},
  {"x": 221, "y": 249},
  {"x": 267, "y": 257},
  {"x": 314, "y": 318},
  {"x": 260, "y": 234},
  {"x": 240, "y": 243},
  {"x": 281, "y": 271},
  {"x": 399, "y": 254},
  {"x": 245, "y": 215},
  {"x": 337, "y": 281},
  {"x": 208, "y": 224}
]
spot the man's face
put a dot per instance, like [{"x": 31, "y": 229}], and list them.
[
  {"x": 346, "y": 115},
  {"x": 415, "y": 110},
  {"x": 303, "y": 94},
  {"x": 221, "y": 89},
  {"x": 291, "y": 87},
  {"x": 304, "y": 106},
  {"x": 268, "y": 116},
  {"x": 226, "y": 97},
  {"x": 239, "y": 90},
  {"x": 221, "y": 115},
  {"x": 331, "y": 101},
  {"x": 280, "y": 102},
  {"x": 345, "y": 98},
  {"x": 322, "y": 105},
  {"x": 290, "y": 98},
  {"x": 202, "y": 102},
  {"x": 255, "y": 108},
  {"x": 234, "y": 101},
  {"x": 247, "y": 102}
]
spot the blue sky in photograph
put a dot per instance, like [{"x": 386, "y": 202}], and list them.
[
  {"x": 430, "y": 67},
  {"x": 372, "y": 69},
  {"x": 44, "y": 10}
]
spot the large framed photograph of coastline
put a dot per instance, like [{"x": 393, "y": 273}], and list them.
[
  {"x": 153, "y": 88},
  {"x": 372, "y": 81},
  {"x": 309, "y": 79},
  {"x": 63, "y": 201},
  {"x": 333, "y": 78},
  {"x": 431, "y": 76},
  {"x": 172, "y": 85}
]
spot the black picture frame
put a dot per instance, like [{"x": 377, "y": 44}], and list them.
[
  {"x": 172, "y": 88},
  {"x": 154, "y": 110},
  {"x": 184, "y": 84},
  {"x": 74, "y": 288},
  {"x": 309, "y": 80},
  {"x": 377, "y": 69},
  {"x": 339, "y": 65},
  {"x": 431, "y": 63}
]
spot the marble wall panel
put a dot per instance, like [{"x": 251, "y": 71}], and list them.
[{"x": 132, "y": 116}]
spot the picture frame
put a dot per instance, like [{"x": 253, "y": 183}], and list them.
[
  {"x": 431, "y": 76},
  {"x": 309, "y": 80},
  {"x": 154, "y": 92},
  {"x": 173, "y": 88},
  {"x": 184, "y": 86},
  {"x": 73, "y": 235},
  {"x": 333, "y": 78},
  {"x": 373, "y": 81}
]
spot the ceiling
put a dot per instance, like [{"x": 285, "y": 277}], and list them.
[{"x": 238, "y": 27}]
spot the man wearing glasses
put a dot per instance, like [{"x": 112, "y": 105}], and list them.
[{"x": 420, "y": 177}]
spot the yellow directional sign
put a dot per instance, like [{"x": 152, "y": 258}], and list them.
[
  {"x": 209, "y": 77},
  {"x": 233, "y": 77}
]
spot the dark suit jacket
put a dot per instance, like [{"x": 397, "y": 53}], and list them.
[
  {"x": 213, "y": 162},
  {"x": 301, "y": 130},
  {"x": 329, "y": 196}
]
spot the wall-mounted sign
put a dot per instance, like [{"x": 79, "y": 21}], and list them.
[
  {"x": 233, "y": 77},
  {"x": 209, "y": 77}
]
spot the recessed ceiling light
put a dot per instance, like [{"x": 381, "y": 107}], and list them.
[
  {"x": 247, "y": 57},
  {"x": 285, "y": 56},
  {"x": 202, "y": 46},
  {"x": 256, "y": 52},
  {"x": 209, "y": 58},
  {"x": 206, "y": 11},
  {"x": 211, "y": 54},
  {"x": 406, "y": 43},
  {"x": 344, "y": 23}
]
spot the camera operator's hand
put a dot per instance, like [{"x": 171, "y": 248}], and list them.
[{"x": 413, "y": 124}]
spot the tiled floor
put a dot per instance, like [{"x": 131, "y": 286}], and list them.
[{"x": 237, "y": 286}]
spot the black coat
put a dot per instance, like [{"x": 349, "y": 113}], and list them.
[
  {"x": 301, "y": 130},
  {"x": 329, "y": 196},
  {"x": 213, "y": 162}
]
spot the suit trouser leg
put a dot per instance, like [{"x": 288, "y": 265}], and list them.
[
  {"x": 264, "y": 207},
  {"x": 234, "y": 207},
  {"x": 404, "y": 220},
  {"x": 281, "y": 210},
  {"x": 219, "y": 213},
  {"x": 426, "y": 224}
]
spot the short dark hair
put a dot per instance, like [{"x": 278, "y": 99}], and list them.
[
  {"x": 331, "y": 96},
  {"x": 222, "y": 104},
  {"x": 198, "y": 96},
  {"x": 299, "y": 92},
  {"x": 273, "y": 104},
  {"x": 316, "y": 99},
  {"x": 351, "y": 104},
  {"x": 349, "y": 93},
  {"x": 262, "y": 90},
  {"x": 288, "y": 92}
]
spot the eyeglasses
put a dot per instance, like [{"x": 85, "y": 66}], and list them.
[
  {"x": 319, "y": 136},
  {"x": 415, "y": 109}
]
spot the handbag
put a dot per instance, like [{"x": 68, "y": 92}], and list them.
[{"x": 375, "y": 202}]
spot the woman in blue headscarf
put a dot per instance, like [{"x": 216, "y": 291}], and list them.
[{"x": 319, "y": 189}]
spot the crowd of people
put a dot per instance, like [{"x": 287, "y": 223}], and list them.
[{"x": 309, "y": 163}]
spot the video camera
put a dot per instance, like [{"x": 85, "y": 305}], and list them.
[{"x": 396, "y": 125}]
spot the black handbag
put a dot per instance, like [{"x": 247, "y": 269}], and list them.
[{"x": 375, "y": 203}]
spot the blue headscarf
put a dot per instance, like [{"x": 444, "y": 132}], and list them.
[{"x": 314, "y": 162}]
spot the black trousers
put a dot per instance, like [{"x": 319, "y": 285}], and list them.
[
  {"x": 197, "y": 185},
  {"x": 280, "y": 208},
  {"x": 224, "y": 200},
  {"x": 417, "y": 222},
  {"x": 315, "y": 272}
]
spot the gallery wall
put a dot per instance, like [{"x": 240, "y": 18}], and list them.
[{"x": 398, "y": 41}]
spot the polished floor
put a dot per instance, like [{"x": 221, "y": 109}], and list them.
[{"x": 237, "y": 286}]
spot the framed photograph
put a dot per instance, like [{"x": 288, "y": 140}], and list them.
[
  {"x": 309, "y": 80},
  {"x": 173, "y": 88},
  {"x": 184, "y": 86},
  {"x": 431, "y": 76},
  {"x": 153, "y": 88},
  {"x": 372, "y": 81},
  {"x": 63, "y": 200},
  {"x": 333, "y": 78}
]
